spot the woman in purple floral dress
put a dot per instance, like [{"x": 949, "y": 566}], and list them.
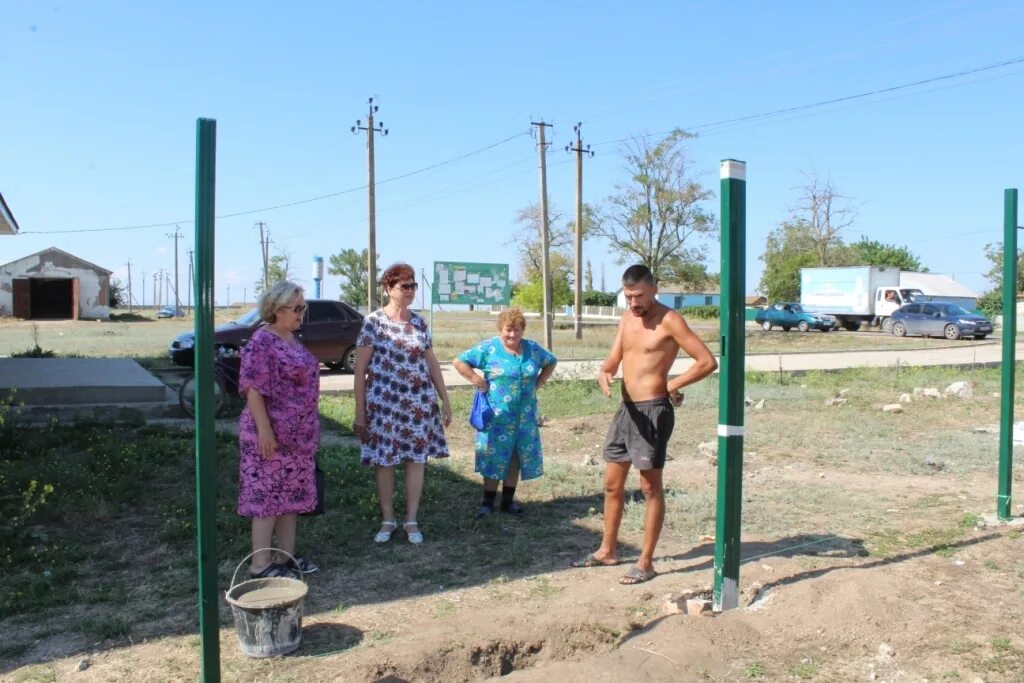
[
  {"x": 397, "y": 383},
  {"x": 279, "y": 430}
]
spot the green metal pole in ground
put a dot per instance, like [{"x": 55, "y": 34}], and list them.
[
  {"x": 731, "y": 385},
  {"x": 1003, "y": 507},
  {"x": 206, "y": 447}
]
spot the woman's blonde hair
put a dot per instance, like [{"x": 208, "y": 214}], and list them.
[
  {"x": 511, "y": 317},
  {"x": 276, "y": 297}
]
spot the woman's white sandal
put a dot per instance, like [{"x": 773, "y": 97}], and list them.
[
  {"x": 386, "y": 529},
  {"x": 415, "y": 537}
]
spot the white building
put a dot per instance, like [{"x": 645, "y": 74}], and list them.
[
  {"x": 54, "y": 285},
  {"x": 940, "y": 288},
  {"x": 8, "y": 226}
]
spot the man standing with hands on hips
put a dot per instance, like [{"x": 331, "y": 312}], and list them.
[{"x": 648, "y": 340}]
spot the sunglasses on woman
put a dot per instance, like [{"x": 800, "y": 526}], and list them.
[
  {"x": 408, "y": 286},
  {"x": 300, "y": 308}
]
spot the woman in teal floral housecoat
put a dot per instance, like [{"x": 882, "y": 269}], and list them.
[{"x": 509, "y": 369}]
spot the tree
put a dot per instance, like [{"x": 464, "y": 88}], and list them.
[
  {"x": 117, "y": 296},
  {"x": 874, "y": 253},
  {"x": 657, "y": 217},
  {"x": 991, "y": 302},
  {"x": 824, "y": 213},
  {"x": 351, "y": 266},
  {"x": 279, "y": 268},
  {"x": 594, "y": 298},
  {"x": 530, "y": 293},
  {"x": 561, "y": 254},
  {"x": 788, "y": 248}
]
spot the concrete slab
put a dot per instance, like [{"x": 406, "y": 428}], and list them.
[{"x": 70, "y": 381}]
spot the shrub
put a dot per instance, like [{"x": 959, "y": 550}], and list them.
[
  {"x": 705, "y": 312},
  {"x": 35, "y": 352}
]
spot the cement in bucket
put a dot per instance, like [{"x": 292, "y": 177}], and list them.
[{"x": 267, "y": 612}]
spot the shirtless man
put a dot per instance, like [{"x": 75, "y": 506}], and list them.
[{"x": 649, "y": 338}]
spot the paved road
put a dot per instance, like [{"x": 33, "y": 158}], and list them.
[{"x": 980, "y": 353}]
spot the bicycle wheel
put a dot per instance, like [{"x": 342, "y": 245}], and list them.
[{"x": 187, "y": 395}]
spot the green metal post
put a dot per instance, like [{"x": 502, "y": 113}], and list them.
[
  {"x": 206, "y": 447},
  {"x": 1003, "y": 507},
  {"x": 731, "y": 385}
]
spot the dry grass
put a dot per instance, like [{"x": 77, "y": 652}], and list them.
[{"x": 453, "y": 333}]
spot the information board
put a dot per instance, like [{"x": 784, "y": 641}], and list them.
[{"x": 470, "y": 283}]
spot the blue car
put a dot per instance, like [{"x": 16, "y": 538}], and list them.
[
  {"x": 790, "y": 315},
  {"x": 939, "y": 319}
]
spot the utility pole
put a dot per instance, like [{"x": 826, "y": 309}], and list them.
[
  {"x": 580, "y": 150},
  {"x": 423, "y": 290},
  {"x": 545, "y": 229},
  {"x": 156, "y": 289},
  {"x": 143, "y": 290},
  {"x": 265, "y": 250},
  {"x": 371, "y": 251},
  {"x": 130, "y": 309},
  {"x": 243, "y": 297},
  {"x": 227, "y": 302},
  {"x": 190, "y": 276},
  {"x": 176, "y": 234}
]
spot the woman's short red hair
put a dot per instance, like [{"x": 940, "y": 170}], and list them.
[{"x": 395, "y": 273}]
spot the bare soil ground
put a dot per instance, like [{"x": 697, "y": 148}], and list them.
[{"x": 864, "y": 559}]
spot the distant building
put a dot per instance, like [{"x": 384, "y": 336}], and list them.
[
  {"x": 8, "y": 226},
  {"x": 940, "y": 288},
  {"x": 756, "y": 301},
  {"x": 54, "y": 285},
  {"x": 676, "y": 296}
]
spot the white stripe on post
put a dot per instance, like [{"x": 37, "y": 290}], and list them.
[{"x": 737, "y": 170}]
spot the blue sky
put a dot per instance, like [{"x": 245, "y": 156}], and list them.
[{"x": 101, "y": 98}]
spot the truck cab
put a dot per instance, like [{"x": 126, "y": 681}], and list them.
[{"x": 888, "y": 299}]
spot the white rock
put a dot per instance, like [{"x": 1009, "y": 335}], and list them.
[
  {"x": 83, "y": 664},
  {"x": 886, "y": 651},
  {"x": 836, "y": 401},
  {"x": 892, "y": 408},
  {"x": 587, "y": 461},
  {"x": 759, "y": 405},
  {"x": 748, "y": 401},
  {"x": 932, "y": 392},
  {"x": 905, "y": 398},
  {"x": 843, "y": 393},
  {"x": 960, "y": 390},
  {"x": 918, "y": 392}
]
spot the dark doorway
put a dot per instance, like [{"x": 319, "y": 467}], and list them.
[{"x": 53, "y": 298}]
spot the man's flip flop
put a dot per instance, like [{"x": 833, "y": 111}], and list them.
[
  {"x": 591, "y": 561},
  {"x": 636, "y": 575}
]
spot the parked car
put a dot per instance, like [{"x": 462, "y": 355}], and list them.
[
  {"x": 329, "y": 330},
  {"x": 790, "y": 315},
  {"x": 939, "y": 319},
  {"x": 170, "y": 312}
]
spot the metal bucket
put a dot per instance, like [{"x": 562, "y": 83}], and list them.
[{"x": 267, "y": 612}]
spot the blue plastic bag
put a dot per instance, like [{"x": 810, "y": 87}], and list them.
[{"x": 481, "y": 414}]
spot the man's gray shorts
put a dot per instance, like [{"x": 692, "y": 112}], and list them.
[{"x": 639, "y": 433}]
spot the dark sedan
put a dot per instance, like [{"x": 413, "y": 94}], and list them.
[
  {"x": 329, "y": 330},
  {"x": 939, "y": 319},
  {"x": 790, "y": 315}
]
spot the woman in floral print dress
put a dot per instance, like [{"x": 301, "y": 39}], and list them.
[
  {"x": 397, "y": 383},
  {"x": 279, "y": 429},
  {"x": 511, "y": 369}
]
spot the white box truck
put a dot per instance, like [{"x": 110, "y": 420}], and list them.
[{"x": 855, "y": 295}]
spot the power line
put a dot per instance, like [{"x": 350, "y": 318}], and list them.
[
  {"x": 318, "y": 198},
  {"x": 835, "y": 100}
]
